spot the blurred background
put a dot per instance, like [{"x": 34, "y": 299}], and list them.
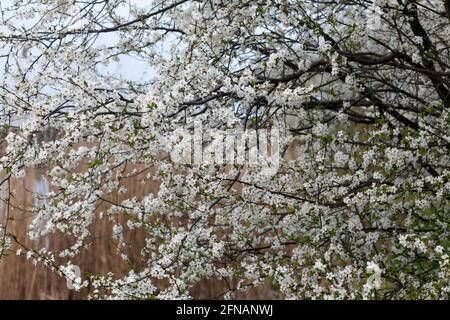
[{"x": 21, "y": 279}]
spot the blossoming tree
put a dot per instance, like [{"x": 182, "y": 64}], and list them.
[{"x": 362, "y": 88}]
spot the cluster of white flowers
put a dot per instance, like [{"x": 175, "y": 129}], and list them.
[
  {"x": 374, "y": 281},
  {"x": 5, "y": 241}
]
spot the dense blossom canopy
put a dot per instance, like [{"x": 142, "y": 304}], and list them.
[{"x": 359, "y": 88}]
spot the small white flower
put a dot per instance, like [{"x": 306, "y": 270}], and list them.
[{"x": 319, "y": 265}]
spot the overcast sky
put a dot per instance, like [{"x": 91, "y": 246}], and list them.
[{"x": 127, "y": 68}]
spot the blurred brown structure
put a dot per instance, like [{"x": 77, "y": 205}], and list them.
[{"x": 20, "y": 279}]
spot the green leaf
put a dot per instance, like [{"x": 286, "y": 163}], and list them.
[
  {"x": 152, "y": 106},
  {"x": 94, "y": 164}
]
